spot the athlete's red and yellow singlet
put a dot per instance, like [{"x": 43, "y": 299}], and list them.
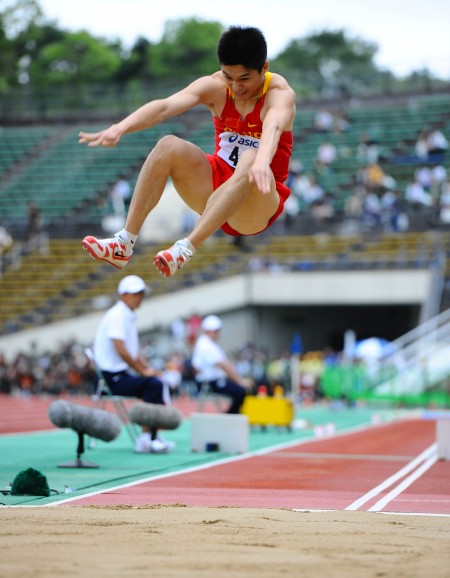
[{"x": 233, "y": 136}]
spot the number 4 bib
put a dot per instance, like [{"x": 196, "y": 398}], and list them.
[{"x": 232, "y": 145}]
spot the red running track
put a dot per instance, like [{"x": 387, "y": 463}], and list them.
[
  {"x": 385, "y": 468},
  {"x": 335, "y": 473},
  {"x": 28, "y": 414}
]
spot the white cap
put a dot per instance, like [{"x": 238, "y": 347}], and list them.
[
  {"x": 211, "y": 323},
  {"x": 131, "y": 284}
]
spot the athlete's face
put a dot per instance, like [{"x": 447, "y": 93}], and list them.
[{"x": 244, "y": 82}]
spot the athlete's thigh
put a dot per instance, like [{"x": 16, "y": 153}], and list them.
[
  {"x": 191, "y": 175},
  {"x": 257, "y": 209}
]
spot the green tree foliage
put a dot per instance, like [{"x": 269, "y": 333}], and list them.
[
  {"x": 330, "y": 61},
  {"x": 38, "y": 54},
  {"x": 136, "y": 65},
  {"x": 29, "y": 47},
  {"x": 186, "y": 46},
  {"x": 7, "y": 58},
  {"x": 15, "y": 17},
  {"x": 76, "y": 59}
]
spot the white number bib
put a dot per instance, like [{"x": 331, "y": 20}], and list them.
[{"x": 232, "y": 145}]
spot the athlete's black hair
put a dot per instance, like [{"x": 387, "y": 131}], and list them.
[{"x": 245, "y": 46}]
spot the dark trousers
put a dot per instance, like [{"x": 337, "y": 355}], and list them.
[
  {"x": 230, "y": 389},
  {"x": 149, "y": 389}
]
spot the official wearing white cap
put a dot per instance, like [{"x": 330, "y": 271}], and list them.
[
  {"x": 213, "y": 367},
  {"x": 211, "y": 323},
  {"x": 116, "y": 353},
  {"x": 132, "y": 284}
]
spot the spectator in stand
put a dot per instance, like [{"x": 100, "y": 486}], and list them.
[
  {"x": 314, "y": 192},
  {"x": 34, "y": 224},
  {"x": 120, "y": 195},
  {"x": 437, "y": 144},
  {"x": 295, "y": 168},
  {"x": 341, "y": 123},
  {"x": 353, "y": 206},
  {"x": 438, "y": 178},
  {"x": 326, "y": 155},
  {"x": 323, "y": 211},
  {"x": 393, "y": 215},
  {"x": 421, "y": 146},
  {"x": 6, "y": 241},
  {"x": 444, "y": 203},
  {"x": 423, "y": 176},
  {"x": 371, "y": 176},
  {"x": 300, "y": 184},
  {"x": 5, "y": 376},
  {"x": 417, "y": 196},
  {"x": 368, "y": 151},
  {"x": 291, "y": 211},
  {"x": 372, "y": 210},
  {"x": 323, "y": 121},
  {"x": 374, "y": 178}
]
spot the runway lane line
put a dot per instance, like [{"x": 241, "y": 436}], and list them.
[
  {"x": 404, "y": 484},
  {"x": 427, "y": 454}
]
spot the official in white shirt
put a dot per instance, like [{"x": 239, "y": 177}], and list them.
[
  {"x": 212, "y": 366},
  {"x": 116, "y": 353}
]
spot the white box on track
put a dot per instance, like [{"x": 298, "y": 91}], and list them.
[
  {"x": 443, "y": 437},
  {"x": 228, "y": 431}
]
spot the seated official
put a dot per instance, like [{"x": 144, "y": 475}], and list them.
[
  {"x": 116, "y": 353},
  {"x": 213, "y": 368}
]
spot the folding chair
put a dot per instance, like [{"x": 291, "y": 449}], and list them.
[
  {"x": 103, "y": 395},
  {"x": 206, "y": 394}
]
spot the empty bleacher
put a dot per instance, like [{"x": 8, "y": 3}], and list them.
[
  {"x": 65, "y": 176},
  {"x": 66, "y": 282},
  {"x": 18, "y": 143},
  {"x": 410, "y": 250}
]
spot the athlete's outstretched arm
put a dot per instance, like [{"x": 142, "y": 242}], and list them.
[{"x": 153, "y": 113}]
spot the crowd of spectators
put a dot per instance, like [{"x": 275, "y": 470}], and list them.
[
  {"x": 370, "y": 196},
  {"x": 68, "y": 371}
]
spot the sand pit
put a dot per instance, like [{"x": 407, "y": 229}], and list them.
[{"x": 179, "y": 541}]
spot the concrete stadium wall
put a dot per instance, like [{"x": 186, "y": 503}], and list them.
[{"x": 250, "y": 305}]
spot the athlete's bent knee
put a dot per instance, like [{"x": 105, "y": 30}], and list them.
[{"x": 168, "y": 141}]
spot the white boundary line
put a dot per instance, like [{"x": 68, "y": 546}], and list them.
[
  {"x": 423, "y": 514},
  {"x": 430, "y": 452},
  {"x": 404, "y": 485},
  {"x": 414, "y": 514}
]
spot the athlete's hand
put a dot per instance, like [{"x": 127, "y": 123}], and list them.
[
  {"x": 109, "y": 137},
  {"x": 260, "y": 173}
]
